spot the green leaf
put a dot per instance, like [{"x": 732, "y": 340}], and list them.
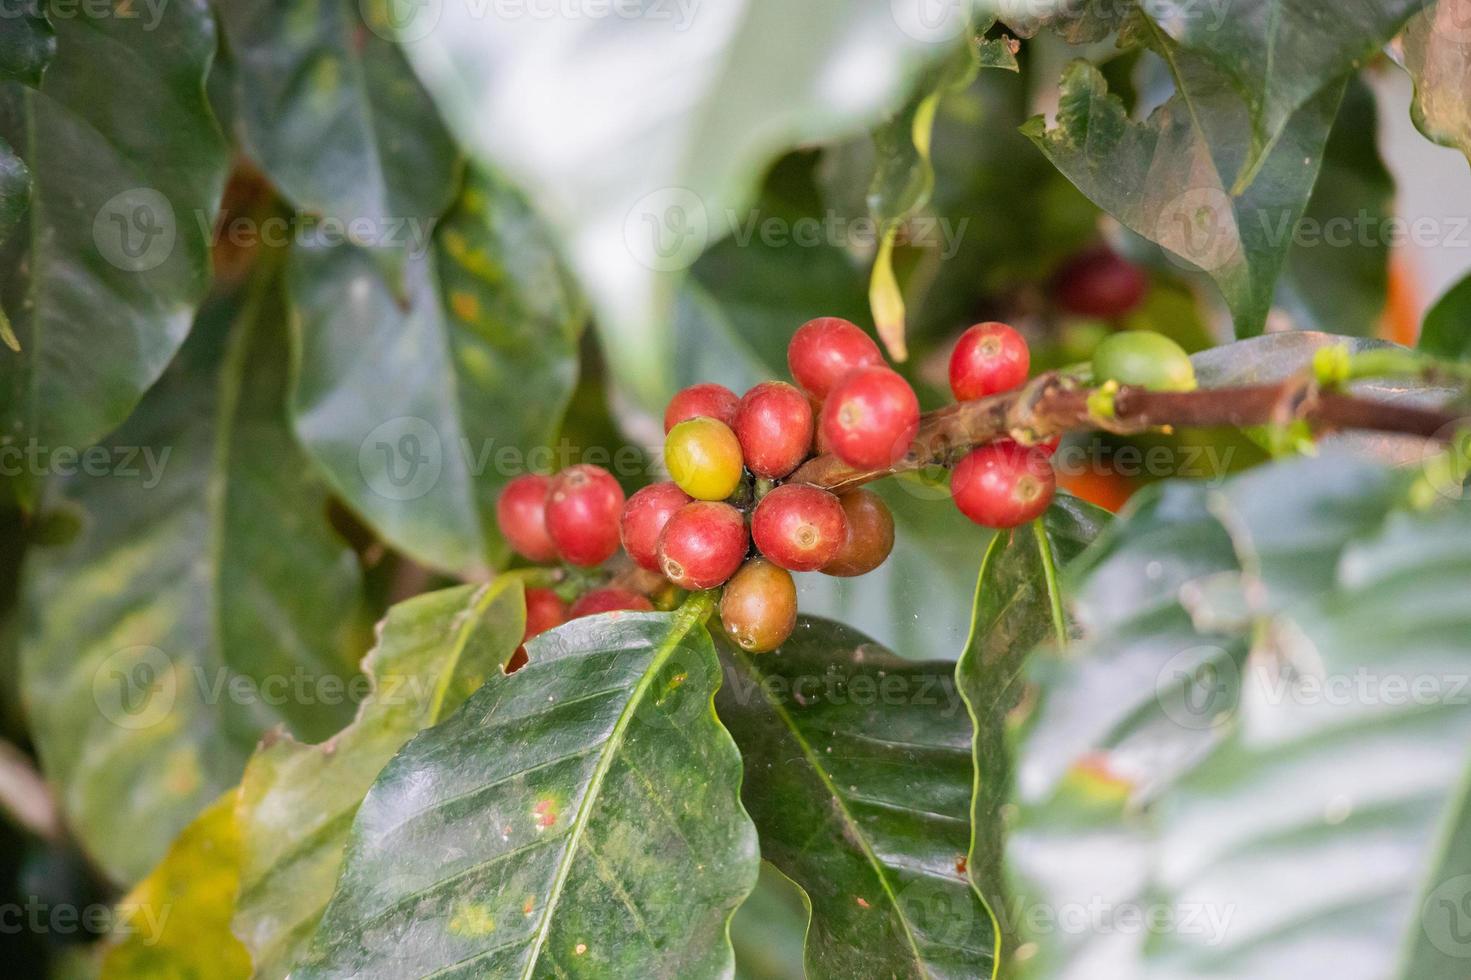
[
  {"x": 1337, "y": 273},
  {"x": 665, "y": 117},
  {"x": 1264, "y": 730},
  {"x": 265, "y": 856},
  {"x": 1437, "y": 53},
  {"x": 203, "y": 599},
  {"x": 1169, "y": 178},
  {"x": 579, "y": 817},
  {"x": 420, "y": 408},
  {"x": 175, "y": 925},
  {"x": 769, "y": 929},
  {"x": 1446, "y": 331},
  {"x": 1278, "y": 56},
  {"x": 335, "y": 116},
  {"x": 858, "y": 776},
  {"x": 1018, "y": 606},
  {"x": 1270, "y": 358},
  {"x": 15, "y": 192},
  {"x": 127, "y": 167},
  {"x": 27, "y": 44},
  {"x": 1439, "y": 950},
  {"x": 297, "y": 801},
  {"x": 1076, "y": 23}
]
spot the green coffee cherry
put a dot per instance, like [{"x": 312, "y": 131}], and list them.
[{"x": 1145, "y": 359}]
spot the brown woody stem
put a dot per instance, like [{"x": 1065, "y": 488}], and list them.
[{"x": 1054, "y": 404}]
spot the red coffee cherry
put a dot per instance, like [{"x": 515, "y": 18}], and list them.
[
  {"x": 583, "y": 507},
  {"x": 702, "y": 545},
  {"x": 644, "y": 517},
  {"x": 799, "y": 527},
  {"x": 545, "y": 610},
  {"x": 822, "y": 351},
  {"x": 1002, "y": 485},
  {"x": 774, "y": 426},
  {"x": 869, "y": 537},
  {"x": 520, "y": 513},
  {"x": 1047, "y": 447},
  {"x": 1099, "y": 283},
  {"x": 988, "y": 358},
  {"x": 608, "y": 600},
  {"x": 759, "y": 606},
  {"x": 710, "y": 400},
  {"x": 870, "y": 418}
]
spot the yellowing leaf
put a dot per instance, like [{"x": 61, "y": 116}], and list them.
[{"x": 176, "y": 924}]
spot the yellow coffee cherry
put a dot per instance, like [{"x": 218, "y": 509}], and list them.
[{"x": 704, "y": 458}]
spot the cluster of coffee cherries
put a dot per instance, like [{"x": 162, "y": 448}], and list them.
[{"x": 735, "y": 512}]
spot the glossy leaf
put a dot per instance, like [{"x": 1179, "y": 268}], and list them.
[
  {"x": 1337, "y": 273},
  {"x": 175, "y": 925},
  {"x": 1437, "y": 53},
  {"x": 579, "y": 817},
  {"x": 127, "y": 167},
  {"x": 273, "y": 845},
  {"x": 1269, "y": 358},
  {"x": 15, "y": 191},
  {"x": 203, "y": 599},
  {"x": 422, "y": 407},
  {"x": 667, "y": 114},
  {"x": 27, "y": 44},
  {"x": 1169, "y": 178},
  {"x": 858, "y": 776},
  {"x": 1227, "y": 725},
  {"x": 1075, "y": 23},
  {"x": 1447, "y": 328},
  {"x": 769, "y": 929},
  {"x": 336, "y": 118},
  {"x": 1278, "y": 55},
  {"x": 1018, "y": 606},
  {"x": 297, "y": 801}
]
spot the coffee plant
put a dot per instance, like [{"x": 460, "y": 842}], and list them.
[{"x": 845, "y": 489}]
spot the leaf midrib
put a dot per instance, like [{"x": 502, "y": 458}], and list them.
[
  {"x": 852, "y": 825},
  {"x": 690, "y": 615}
]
